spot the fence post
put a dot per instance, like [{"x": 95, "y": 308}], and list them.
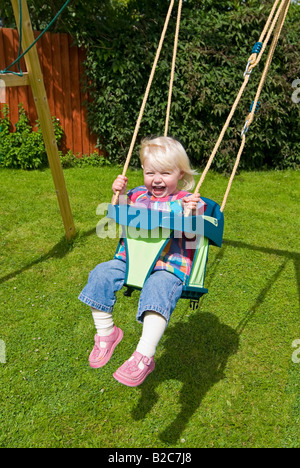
[{"x": 36, "y": 82}]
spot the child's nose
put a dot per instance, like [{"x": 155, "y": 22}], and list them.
[{"x": 157, "y": 178}]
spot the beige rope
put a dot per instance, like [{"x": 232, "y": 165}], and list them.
[
  {"x": 233, "y": 172},
  {"x": 253, "y": 58},
  {"x": 252, "y": 63},
  {"x": 246, "y": 79},
  {"x": 270, "y": 25},
  {"x": 173, "y": 67},
  {"x": 266, "y": 41},
  {"x": 138, "y": 123},
  {"x": 282, "y": 16}
]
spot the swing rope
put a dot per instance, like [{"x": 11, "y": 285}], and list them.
[
  {"x": 138, "y": 123},
  {"x": 20, "y": 56},
  {"x": 253, "y": 61},
  {"x": 274, "y": 20},
  {"x": 173, "y": 67},
  {"x": 283, "y": 12}
]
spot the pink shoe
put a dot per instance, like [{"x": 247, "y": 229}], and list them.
[
  {"x": 100, "y": 356},
  {"x": 130, "y": 374}
]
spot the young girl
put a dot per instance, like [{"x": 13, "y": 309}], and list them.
[{"x": 167, "y": 176}]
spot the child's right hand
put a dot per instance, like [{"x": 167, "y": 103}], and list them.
[
  {"x": 120, "y": 185},
  {"x": 190, "y": 203}
]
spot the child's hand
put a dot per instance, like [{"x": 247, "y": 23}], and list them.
[
  {"x": 120, "y": 185},
  {"x": 189, "y": 204}
]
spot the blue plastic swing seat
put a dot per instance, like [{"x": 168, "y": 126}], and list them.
[{"x": 146, "y": 233}]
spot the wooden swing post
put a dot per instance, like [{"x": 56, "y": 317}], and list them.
[{"x": 34, "y": 78}]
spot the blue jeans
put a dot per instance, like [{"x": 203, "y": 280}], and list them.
[{"x": 160, "y": 293}]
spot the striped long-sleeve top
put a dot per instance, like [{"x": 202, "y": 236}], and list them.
[{"x": 176, "y": 257}]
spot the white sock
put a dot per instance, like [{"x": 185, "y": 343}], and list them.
[
  {"x": 103, "y": 322},
  {"x": 153, "y": 329}
]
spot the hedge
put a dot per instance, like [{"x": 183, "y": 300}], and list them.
[{"x": 215, "y": 44}]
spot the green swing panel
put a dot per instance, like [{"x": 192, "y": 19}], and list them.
[
  {"x": 142, "y": 254},
  {"x": 145, "y": 239}
]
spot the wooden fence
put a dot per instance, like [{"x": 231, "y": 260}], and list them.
[{"x": 61, "y": 63}]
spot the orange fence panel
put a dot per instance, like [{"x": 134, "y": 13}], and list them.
[{"x": 62, "y": 66}]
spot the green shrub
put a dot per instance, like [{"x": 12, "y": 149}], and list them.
[
  {"x": 216, "y": 39},
  {"x": 71, "y": 160},
  {"x": 24, "y": 148}
]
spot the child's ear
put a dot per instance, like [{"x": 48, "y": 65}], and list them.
[{"x": 181, "y": 175}]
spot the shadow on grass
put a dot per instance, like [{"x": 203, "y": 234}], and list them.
[
  {"x": 196, "y": 354},
  {"x": 60, "y": 250},
  {"x": 286, "y": 257}
]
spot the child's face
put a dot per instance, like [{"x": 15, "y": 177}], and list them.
[{"x": 161, "y": 183}]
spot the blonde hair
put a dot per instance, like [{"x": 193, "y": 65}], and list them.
[{"x": 167, "y": 153}]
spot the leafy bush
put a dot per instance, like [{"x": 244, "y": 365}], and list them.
[
  {"x": 71, "y": 160},
  {"x": 216, "y": 39},
  {"x": 24, "y": 148}
]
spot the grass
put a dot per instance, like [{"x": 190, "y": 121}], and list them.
[{"x": 224, "y": 374}]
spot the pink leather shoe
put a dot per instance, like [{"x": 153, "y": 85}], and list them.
[
  {"x": 130, "y": 374},
  {"x": 100, "y": 356}
]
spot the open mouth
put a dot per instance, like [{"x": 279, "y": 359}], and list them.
[{"x": 158, "y": 191}]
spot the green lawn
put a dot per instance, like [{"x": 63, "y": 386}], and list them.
[{"x": 224, "y": 374}]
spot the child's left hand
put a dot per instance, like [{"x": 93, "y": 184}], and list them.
[{"x": 189, "y": 204}]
